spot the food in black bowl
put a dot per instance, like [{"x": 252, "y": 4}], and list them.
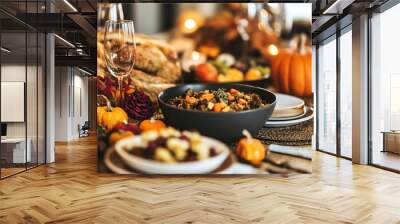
[
  {"x": 221, "y": 100},
  {"x": 249, "y": 109}
]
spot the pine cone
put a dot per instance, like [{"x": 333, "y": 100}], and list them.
[{"x": 138, "y": 105}]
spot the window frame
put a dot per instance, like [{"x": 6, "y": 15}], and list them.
[
  {"x": 333, "y": 37},
  {"x": 379, "y": 10}
]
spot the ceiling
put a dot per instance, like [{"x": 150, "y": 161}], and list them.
[
  {"x": 331, "y": 15},
  {"x": 72, "y": 20}
]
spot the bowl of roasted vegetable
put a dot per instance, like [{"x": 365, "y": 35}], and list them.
[
  {"x": 226, "y": 69},
  {"x": 221, "y": 111},
  {"x": 169, "y": 151}
]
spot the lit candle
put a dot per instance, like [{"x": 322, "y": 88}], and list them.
[
  {"x": 190, "y": 21},
  {"x": 192, "y": 58},
  {"x": 273, "y": 50}
]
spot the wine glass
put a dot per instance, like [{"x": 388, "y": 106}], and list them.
[{"x": 119, "y": 49}]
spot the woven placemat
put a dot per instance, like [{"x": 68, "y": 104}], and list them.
[{"x": 295, "y": 135}]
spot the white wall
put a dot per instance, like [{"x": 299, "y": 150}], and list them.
[
  {"x": 71, "y": 94},
  {"x": 14, "y": 73},
  {"x": 61, "y": 104},
  {"x": 34, "y": 125}
]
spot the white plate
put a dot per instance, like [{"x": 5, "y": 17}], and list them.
[
  {"x": 308, "y": 116},
  {"x": 156, "y": 167},
  {"x": 289, "y": 118},
  {"x": 287, "y": 103}
]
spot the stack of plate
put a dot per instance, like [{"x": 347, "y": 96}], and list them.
[{"x": 289, "y": 110}]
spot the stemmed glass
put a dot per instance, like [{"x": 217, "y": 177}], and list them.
[{"x": 119, "y": 49}]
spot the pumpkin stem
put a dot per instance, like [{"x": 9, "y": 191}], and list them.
[
  {"x": 247, "y": 134},
  {"x": 302, "y": 44},
  {"x": 109, "y": 107},
  {"x": 102, "y": 96}
]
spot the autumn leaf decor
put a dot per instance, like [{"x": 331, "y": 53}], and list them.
[
  {"x": 138, "y": 105},
  {"x": 108, "y": 87},
  {"x": 135, "y": 103}
]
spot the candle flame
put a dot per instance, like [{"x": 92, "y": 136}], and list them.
[{"x": 273, "y": 50}]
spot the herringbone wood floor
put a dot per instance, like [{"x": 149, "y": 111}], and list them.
[{"x": 71, "y": 191}]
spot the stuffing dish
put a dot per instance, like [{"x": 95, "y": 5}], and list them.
[
  {"x": 221, "y": 100},
  {"x": 171, "y": 146}
]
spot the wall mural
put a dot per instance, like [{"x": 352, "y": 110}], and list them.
[{"x": 204, "y": 88}]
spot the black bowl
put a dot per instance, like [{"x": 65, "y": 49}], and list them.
[{"x": 225, "y": 126}]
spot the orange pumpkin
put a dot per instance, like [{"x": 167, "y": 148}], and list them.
[
  {"x": 109, "y": 116},
  {"x": 118, "y": 135},
  {"x": 250, "y": 149},
  {"x": 151, "y": 125},
  {"x": 291, "y": 70},
  {"x": 100, "y": 111}
]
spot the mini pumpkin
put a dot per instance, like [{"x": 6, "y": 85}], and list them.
[
  {"x": 109, "y": 117},
  {"x": 118, "y": 135},
  {"x": 151, "y": 125},
  {"x": 100, "y": 111},
  {"x": 250, "y": 149}
]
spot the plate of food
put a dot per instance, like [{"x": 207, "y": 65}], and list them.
[
  {"x": 221, "y": 111},
  {"x": 170, "y": 151},
  {"x": 226, "y": 69},
  {"x": 114, "y": 162}
]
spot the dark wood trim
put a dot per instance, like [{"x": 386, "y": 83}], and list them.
[
  {"x": 338, "y": 95},
  {"x": 316, "y": 96},
  {"x": 369, "y": 125}
]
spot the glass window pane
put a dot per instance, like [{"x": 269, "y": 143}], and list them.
[
  {"x": 385, "y": 88},
  {"x": 346, "y": 94},
  {"x": 31, "y": 98},
  {"x": 327, "y": 96},
  {"x": 13, "y": 85}
]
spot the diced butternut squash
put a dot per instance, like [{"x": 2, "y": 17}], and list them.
[
  {"x": 218, "y": 107},
  {"x": 207, "y": 96}
]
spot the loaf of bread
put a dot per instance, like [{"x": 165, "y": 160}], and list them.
[{"x": 156, "y": 65}]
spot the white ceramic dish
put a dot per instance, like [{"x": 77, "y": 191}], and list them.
[
  {"x": 114, "y": 162},
  {"x": 156, "y": 167},
  {"x": 284, "y": 123},
  {"x": 288, "y": 106},
  {"x": 289, "y": 118}
]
